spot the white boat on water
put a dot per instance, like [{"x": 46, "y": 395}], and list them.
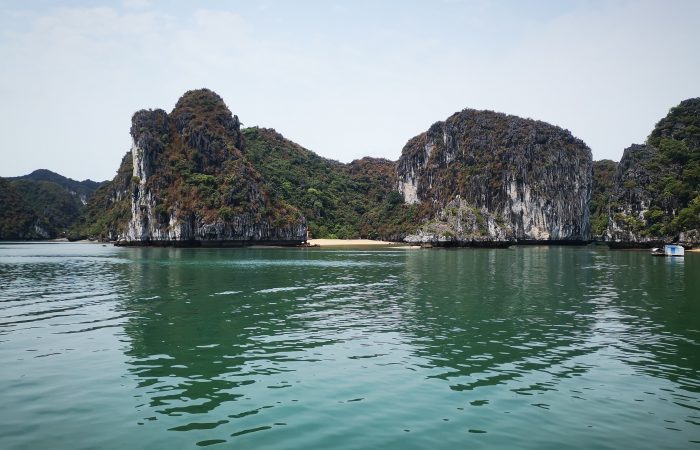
[{"x": 668, "y": 250}]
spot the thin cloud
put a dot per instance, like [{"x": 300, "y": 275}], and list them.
[{"x": 344, "y": 81}]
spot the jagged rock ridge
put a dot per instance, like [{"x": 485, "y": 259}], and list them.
[
  {"x": 631, "y": 198},
  {"x": 509, "y": 178},
  {"x": 352, "y": 200},
  {"x": 655, "y": 196},
  {"x": 191, "y": 183}
]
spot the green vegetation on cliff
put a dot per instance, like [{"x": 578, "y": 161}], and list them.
[
  {"x": 54, "y": 208},
  {"x": 16, "y": 218},
  {"x": 109, "y": 209},
  {"x": 338, "y": 200},
  {"x": 81, "y": 189},
  {"x": 41, "y": 205},
  {"x": 195, "y": 175},
  {"x": 656, "y": 195},
  {"x": 530, "y": 180},
  {"x": 188, "y": 178},
  {"x": 677, "y": 136},
  {"x": 603, "y": 175},
  {"x": 197, "y": 164}
]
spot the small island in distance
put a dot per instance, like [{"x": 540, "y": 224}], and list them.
[{"x": 194, "y": 177}]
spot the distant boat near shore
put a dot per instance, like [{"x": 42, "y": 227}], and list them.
[{"x": 668, "y": 250}]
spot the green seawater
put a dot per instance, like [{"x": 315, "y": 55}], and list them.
[{"x": 527, "y": 348}]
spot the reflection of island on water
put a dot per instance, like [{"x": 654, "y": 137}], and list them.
[
  {"x": 196, "y": 333},
  {"x": 509, "y": 316},
  {"x": 207, "y": 325},
  {"x": 532, "y": 309},
  {"x": 218, "y": 336}
]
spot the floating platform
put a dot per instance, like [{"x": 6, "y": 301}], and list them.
[{"x": 668, "y": 250}]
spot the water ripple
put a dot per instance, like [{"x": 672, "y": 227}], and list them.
[{"x": 526, "y": 348}]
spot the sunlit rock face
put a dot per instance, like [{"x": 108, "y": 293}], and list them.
[
  {"x": 192, "y": 182},
  {"x": 520, "y": 179}
]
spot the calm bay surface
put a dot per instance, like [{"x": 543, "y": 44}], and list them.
[{"x": 530, "y": 347}]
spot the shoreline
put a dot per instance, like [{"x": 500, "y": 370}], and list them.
[
  {"x": 356, "y": 243},
  {"x": 325, "y": 243}
]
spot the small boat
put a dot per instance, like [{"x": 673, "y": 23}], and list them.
[{"x": 668, "y": 250}]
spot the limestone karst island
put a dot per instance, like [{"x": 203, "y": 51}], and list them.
[{"x": 195, "y": 177}]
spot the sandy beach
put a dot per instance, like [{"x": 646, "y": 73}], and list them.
[{"x": 355, "y": 243}]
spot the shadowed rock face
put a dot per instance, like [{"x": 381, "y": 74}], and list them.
[
  {"x": 603, "y": 177},
  {"x": 631, "y": 197},
  {"x": 192, "y": 182},
  {"x": 654, "y": 197},
  {"x": 510, "y": 178}
]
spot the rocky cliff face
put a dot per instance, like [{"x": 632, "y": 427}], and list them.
[
  {"x": 631, "y": 198},
  {"x": 507, "y": 178},
  {"x": 654, "y": 196},
  {"x": 478, "y": 178},
  {"x": 603, "y": 177},
  {"x": 193, "y": 182},
  {"x": 190, "y": 183}
]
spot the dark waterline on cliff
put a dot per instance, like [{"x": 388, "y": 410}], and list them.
[{"x": 531, "y": 347}]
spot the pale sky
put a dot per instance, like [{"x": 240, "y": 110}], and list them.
[{"x": 345, "y": 79}]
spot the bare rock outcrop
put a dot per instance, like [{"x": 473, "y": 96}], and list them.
[
  {"x": 655, "y": 197},
  {"x": 529, "y": 181},
  {"x": 192, "y": 184}
]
